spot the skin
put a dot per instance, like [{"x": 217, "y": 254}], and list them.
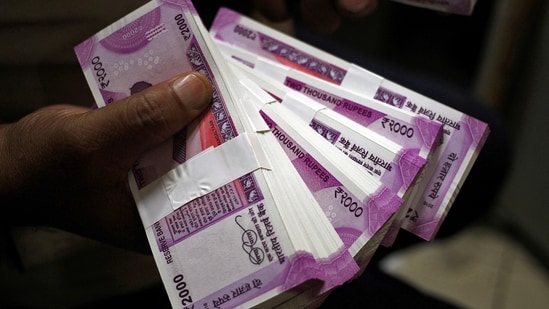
[
  {"x": 322, "y": 16},
  {"x": 67, "y": 166}
]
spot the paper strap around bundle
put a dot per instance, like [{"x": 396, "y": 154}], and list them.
[
  {"x": 256, "y": 97},
  {"x": 213, "y": 169},
  {"x": 234, "y": 53},
  {"x": 359, "y": 78},
  {"x": 272, "y": 69},
  {"x": 266, "y": 66},
  {"x": 202, "y": 174},
  {"x": 300, "y": 105}
]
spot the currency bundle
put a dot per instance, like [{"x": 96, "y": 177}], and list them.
[
  {"x": 462, "y": 136},
  {"x": 274, "y": 197}
]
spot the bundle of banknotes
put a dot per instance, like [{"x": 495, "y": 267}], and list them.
[
  {"x": 461, "y": 7},
  {"x": 301, "y": 168}
]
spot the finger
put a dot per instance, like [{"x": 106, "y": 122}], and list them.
[
  {"x": 274, "y": 10},
  {"x": 150, "y": 117},
  {"x": 356, "y": 8},
  {"x": 320, "y": 16}
]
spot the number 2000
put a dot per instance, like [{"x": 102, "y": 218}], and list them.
[{"x": 181, "y": 287}]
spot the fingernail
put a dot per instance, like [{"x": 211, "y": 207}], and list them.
[
  {"x": 354, "y": 6},
  {"x": 193, "y": 91}
]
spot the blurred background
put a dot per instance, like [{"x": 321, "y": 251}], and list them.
[{"x": 498, "y": 258}]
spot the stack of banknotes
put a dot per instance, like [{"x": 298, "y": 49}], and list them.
[
  {"x": 461, "y": 7},
  {"x": 301, "y": 168}
]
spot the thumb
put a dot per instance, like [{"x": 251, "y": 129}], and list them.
[{"x": 148, "y": 118}]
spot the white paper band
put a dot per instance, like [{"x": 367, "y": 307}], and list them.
[
  {"x": 304, "y": 107},
  {"x": 211, "y": 170},
  {"x": 202, "y": 174},
  {"x": 360, "y": 79}
]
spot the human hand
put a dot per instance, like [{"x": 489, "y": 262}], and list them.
[
  {"x": 67, "y": 166},
  {"x": 323, "y": 16}
]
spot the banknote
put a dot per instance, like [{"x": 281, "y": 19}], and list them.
[
  {"x": 418, "y": 135},
  {"x": 213, "y": 205},
  {"x": 461, "y": 7},
  {"x": 229, "y": 247},
  {"x": 395, "y": 166},
  {"x": 356, "y": 204},
  {"x": 462, "y": 139},
  {"x": 405, "y": 128},
  {"x": 145, "y": 49}
]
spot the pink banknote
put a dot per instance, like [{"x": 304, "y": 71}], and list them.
[
  {"x": 463, "y": 136},
  {"x": 219, "y": 237},
  {"x": 124, "y": 59},
  {"x": 355, "y": 218}
]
